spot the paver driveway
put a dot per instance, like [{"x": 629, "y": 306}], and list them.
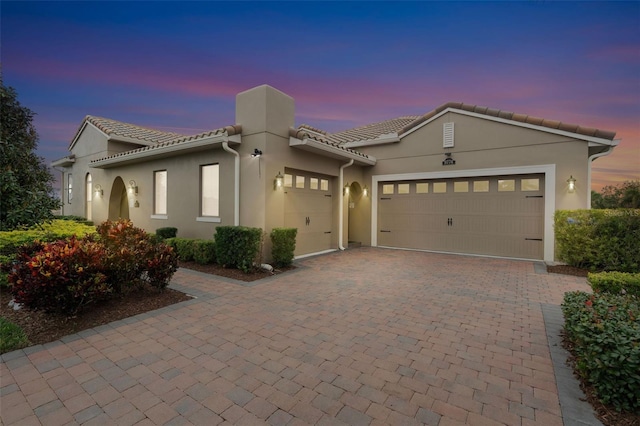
[{"x": 366, "y": 336}]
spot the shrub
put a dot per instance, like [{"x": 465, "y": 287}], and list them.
[
  {"x": 615, "y": 283},
  {"x": 48, "y": 232},
  {"x": 599, "y": 240},
  {"x": 283, "y": 245},
  {"x": 204, "y": 251},
  {"x": 63, "y": 276},
  {"x": 133, "y": 255},
  {"x": 184, "y": 248},
  {"x": 238, "y": 246},
  {"x": 605, "y": 332},
  {"x": 167, "y": 232}
]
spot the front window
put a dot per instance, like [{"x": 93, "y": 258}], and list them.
[
  {"x": 160, "y": 192},
  {"x": 69, "y": 188},
  {"x": 210, "y": 190},
  {"x": 89, "y": 191}
]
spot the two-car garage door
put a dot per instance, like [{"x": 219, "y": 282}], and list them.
[{"x": 498, "y": 216}]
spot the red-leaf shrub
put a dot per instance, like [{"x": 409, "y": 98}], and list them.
[{"x": 62, "y": 276}]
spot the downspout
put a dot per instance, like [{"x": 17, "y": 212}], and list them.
[
  {"x": 591, "y": 159},
  {"x": 236, "y": 201},
  {"x": 341, "y": 207}
]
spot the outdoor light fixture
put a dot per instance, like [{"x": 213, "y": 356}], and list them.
[
  {"x": 98, "y": 190},
  {"x": 365, "y": 191},
  {"x": 256, "y": 153},
  {"x": 346, "y": 189},
  {"x": 277, "y": 183},
  {"x": 572, "y": 184},
  {"x": 133, "y": 187}
]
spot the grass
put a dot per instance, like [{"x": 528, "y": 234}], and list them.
[{"x": 11, "y": 336}]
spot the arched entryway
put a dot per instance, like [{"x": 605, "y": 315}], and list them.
[{"x": 118, "y": 201}]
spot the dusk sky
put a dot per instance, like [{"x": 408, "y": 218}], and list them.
[{"x": 177, "y": 66}]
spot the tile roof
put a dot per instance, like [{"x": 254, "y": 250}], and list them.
[
  {"x": 507, "y": 115},
  {"x": 115, "y": 128},
  {"x": 303, "y": 132},
  {"x": 372, "y": 131}
]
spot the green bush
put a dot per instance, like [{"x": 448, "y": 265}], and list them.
[
  {"x": 47, "y": 232},
  {"x": 283, "y": 245},
  {"x": 12, "y": 337},
  {"x": 599, "y": 240},
  {"x": 167, "y": 232},
  {"x": 605, "y": 332},
  {"x": 204, "y": 251},
  {"x": 184, "y": 248},
  {"x": 615, "y": 283},
  {"x": 238, "y": 246}
]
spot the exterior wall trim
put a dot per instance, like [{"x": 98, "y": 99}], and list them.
[
  {"x": 590, "y": 139},
  {"x": 549, "y": 170}
]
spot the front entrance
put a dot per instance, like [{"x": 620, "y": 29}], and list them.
[
  {"x": 308, "y": 207},
  {"x": 498, "y": 216},
  {"x": 118, "y": 201}
]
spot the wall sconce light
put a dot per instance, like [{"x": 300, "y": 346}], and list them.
[
  {"x": 572, "y": 184},
  {"x": 365, "y": 191},
  {"x": 98, "y": 190},
  {"x": 133, "y": 187},
  {"x": 277, "y": 183},
  {"x": 256, "y": 153},
  {"x": 346, "y": 189}
]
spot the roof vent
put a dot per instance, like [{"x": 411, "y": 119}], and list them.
[{"x": 447, "y": 135}]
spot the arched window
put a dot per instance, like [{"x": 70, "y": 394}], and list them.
[{"x": 89, "y": 195}]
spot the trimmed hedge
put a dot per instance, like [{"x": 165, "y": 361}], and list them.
[
  {"x": 599, "y": 240},
  {"x": 283, "y": 245},
  {"x": 184, "y": 248},
  {"x": 615, "y": 283},
  {"x": 167, "y": 232},
  {"x": 238, "y": 246},
  {"x": 204, "y": 251},
  {"x": 58, "y": 229},
  {"x": 605, "y": 332}
]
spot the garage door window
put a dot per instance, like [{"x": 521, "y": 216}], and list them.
[
  {"x": 439, "y": 187},
  {"x": 530, "y": 184},
  {"x": 422, "y": 188},
  {"x": 481, "y": 186},
  {"x": 288, "y": 181},
  {"x": 387, "y": 189},
  {"x": 313, "y": 183},
  {"x": 461, "y": 186},
  {"x": 403, "y": 188},
  {"x": 324, "y": 185},
  {"x": 300, "y": 181},
  {"x": 506, "y": 185}
]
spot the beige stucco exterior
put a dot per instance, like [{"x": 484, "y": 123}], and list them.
[{"x": 483, "y": 146}]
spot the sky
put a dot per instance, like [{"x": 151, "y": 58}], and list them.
[{"x": 177, "y": 66}]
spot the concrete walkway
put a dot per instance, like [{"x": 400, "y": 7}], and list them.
[{"x": 368, "y": 336}]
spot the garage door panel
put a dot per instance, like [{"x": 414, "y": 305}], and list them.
[{"x": 509, "y": 223}]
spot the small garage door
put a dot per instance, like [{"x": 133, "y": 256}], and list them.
[
  {"x": 308, "y": 207},
  {"x": 498, "y": 216}
]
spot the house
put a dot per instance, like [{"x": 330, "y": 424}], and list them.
[{"x": 460, "y": 179}]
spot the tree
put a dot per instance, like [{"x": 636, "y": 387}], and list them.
[
  {"x": 624, "y": 195},
  {"x": 26, "y": 184}
]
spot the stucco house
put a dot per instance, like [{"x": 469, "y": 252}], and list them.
[{"x": 460, "y": 179}]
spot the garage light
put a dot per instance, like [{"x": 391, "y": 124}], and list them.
[
  {"x": 346, "y": 189},
  {"x": 365, "y": 191},
  {"x": 277, "y": 183},
  {"x": 98, "y": 190},
  {"x": 572, "y": 184}
]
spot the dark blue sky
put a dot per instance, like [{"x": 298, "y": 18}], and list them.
[{"x": 179, "y": 65}]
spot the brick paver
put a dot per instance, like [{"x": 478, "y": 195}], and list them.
[{"x": 367, "y": 336}]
